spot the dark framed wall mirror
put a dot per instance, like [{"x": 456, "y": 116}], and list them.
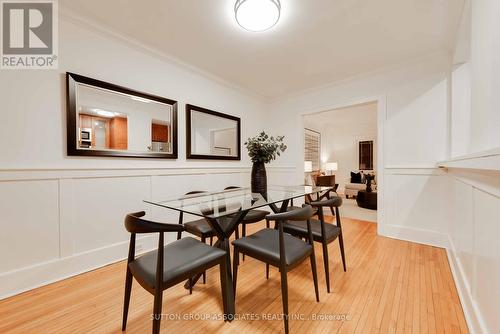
[
  {"x": 108, "y": 120},
  {"x": 212, "y": 135}
]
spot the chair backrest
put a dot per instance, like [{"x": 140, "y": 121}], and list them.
[
  {"x": 325, "y": 180},
  {"x": 301, "y": 214},
  {"x": 194, "y": 192},
  {"x": 232, "y": 187},
  {"x": 135, "y": 224},
  {"x": 334, "y": 201}
]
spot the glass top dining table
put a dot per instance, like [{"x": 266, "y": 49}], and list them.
[
  {"x": 225, "y": 203},
  {"x": 225, "y": 210}
]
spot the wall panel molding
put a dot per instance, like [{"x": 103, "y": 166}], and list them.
[{"x": 69, "y": 173}]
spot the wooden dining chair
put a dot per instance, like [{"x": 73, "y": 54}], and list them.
[
  {"x": 169, "y": 265},
  {"x": 279, "y": 249},
  {"x": 322, "y": 231},
  {"x": 321, "y": 181}
]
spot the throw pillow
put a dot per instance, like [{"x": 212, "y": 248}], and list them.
[{"x": 355, "y": 177}]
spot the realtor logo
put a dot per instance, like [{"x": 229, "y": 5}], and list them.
[{"x": 29, "y": 34}]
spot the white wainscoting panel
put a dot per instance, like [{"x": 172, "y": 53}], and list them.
[
  {"x": 100, "y": 206},
  {"x": 62, "y": 222},
  {"x": 29, "y": 223},
  {"x": 474, "y": 252},
  {"x": 486, "y": 284},
  {"x": 462, "y": 227},
  {"x": 416, "y": 205}
]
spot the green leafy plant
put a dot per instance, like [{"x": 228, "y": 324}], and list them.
[{"x": 265, "y": 148}]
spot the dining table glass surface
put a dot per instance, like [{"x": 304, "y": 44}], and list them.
[{"x": 227, "y": 202}]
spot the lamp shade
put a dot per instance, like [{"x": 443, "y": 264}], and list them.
[
  {"x": 331, "y": 166},
  {"x": 308, "y": 166}
]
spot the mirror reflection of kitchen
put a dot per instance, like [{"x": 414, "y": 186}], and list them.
[
  {"x": 213, "y": 135},
  {"x": 109, "y": 120}
]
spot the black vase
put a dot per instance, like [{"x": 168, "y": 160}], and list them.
[
  {"x": 259, "y": 178},
  {"x": 369, "y": 185}
]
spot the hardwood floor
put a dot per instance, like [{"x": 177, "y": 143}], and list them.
[{"x": 390, "y": 286}]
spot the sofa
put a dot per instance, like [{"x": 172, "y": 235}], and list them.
[
  {"x": 357, "y": 183},
  {"x": 351, "y": 189}
]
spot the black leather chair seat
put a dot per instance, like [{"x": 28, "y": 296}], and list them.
[
  {"x": 199, "y": 227},
  {"x": 180, "y": 258},
  {"x": 264, "y": 246},
  {"x": 300, "y": 228}
]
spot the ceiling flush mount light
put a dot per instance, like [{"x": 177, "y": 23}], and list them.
[{"x": 257, "y": 15}]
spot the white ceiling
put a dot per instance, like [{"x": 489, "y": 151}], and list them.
[{"x": 314, "y": 43}]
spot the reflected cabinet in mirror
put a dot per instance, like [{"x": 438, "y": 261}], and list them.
[
  {"x": 110, "y": 120},
  {"x": 212, "y": 135}
]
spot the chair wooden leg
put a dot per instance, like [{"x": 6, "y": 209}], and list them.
[
  {"x": 236, "y": 262},
  {"x": 223, "y": 284},
  {"x": 203, "y": 239},
  {"x": 244, "y": 234},
  {"x": 315, "y": 276},
  {"x": 211, "y": 241},
  {"x": 332, "y": 210},
  {"x": 327, "y": 269},
  {"x": 267, "y": 271},
  {"x": 157, "y": 311},
  {"x": 237, "y": 232},
  {"x": 341, "y": 244},
  {"x": 126, "y": 301},
  {"x": 284, "y": 297}
]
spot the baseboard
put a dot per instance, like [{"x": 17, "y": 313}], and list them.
[
  {"x": 421, "y": 236},
  {"x": 472, "y": 313},
  {"x": 28, "y": 278}
]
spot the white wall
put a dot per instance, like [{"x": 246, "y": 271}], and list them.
[
  {"x": 477, "y": 60},
  {"x": 63, "y": 215},
  {"x": 413, "y": 135},
  {"x": 461, "y": 110},
  {"x": 474, "y": 168}
]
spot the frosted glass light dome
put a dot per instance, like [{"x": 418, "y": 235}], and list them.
[{"x": 257, "y": 15}]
